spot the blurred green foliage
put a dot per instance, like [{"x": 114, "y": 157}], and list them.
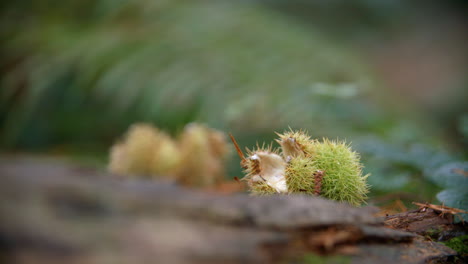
[
  {"x": 76, "y": 74},
  {"x": 459, "y": 244}
]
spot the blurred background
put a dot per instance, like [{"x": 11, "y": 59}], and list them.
[{"x": 388, "y": 76}]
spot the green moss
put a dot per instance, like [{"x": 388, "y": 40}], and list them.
[
  {"x": 459, "y": 244},
  {"x": 433, "y": 233},
  {"x": 315, "y": 259}
]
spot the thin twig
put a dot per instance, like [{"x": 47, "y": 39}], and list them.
[{"x": 239, "y": 151}]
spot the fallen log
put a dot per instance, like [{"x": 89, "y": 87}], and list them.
[{"x": 53, "y": 212}]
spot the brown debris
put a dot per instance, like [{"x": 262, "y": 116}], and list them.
[
  {"x": 442, "y": 209},
  {"x": 394, "y": 207},
  {"x": 228, "y": 187},
  {"x": 417, "y": 221},
  {"x": 427, "y": 217},
  {"x": 460, "y": 172},
  {"x": 328, "y": 239},
  {"x": 318, "y": 177}
]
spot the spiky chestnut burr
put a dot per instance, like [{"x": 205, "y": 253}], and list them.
[
  {"x": 295, "y": 143},
  {"x": 343, "y": 179},
  {"x": 203, "y": 153},
  {"x": 195, "y": 159},
  {"x": 265, "y": 166},
  {"x": 264, "y": 169},
  {"x": 299, "y": 175},
  {"x": 145, "y": 150},
  {"x": 327, "y": 168}
]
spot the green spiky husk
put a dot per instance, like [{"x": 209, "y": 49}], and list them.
[
  {"x": 302, "y": 138},
  {"x": 299, "y": 178},
  {"x": 261, "y": 188},
  {"x": 299, "y": 175},
  {"x": 343, "y": 180},
  {"x": 342, "y": 171}
]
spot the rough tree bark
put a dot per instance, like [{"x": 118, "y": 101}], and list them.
[{"x": 51, "y": 212}]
